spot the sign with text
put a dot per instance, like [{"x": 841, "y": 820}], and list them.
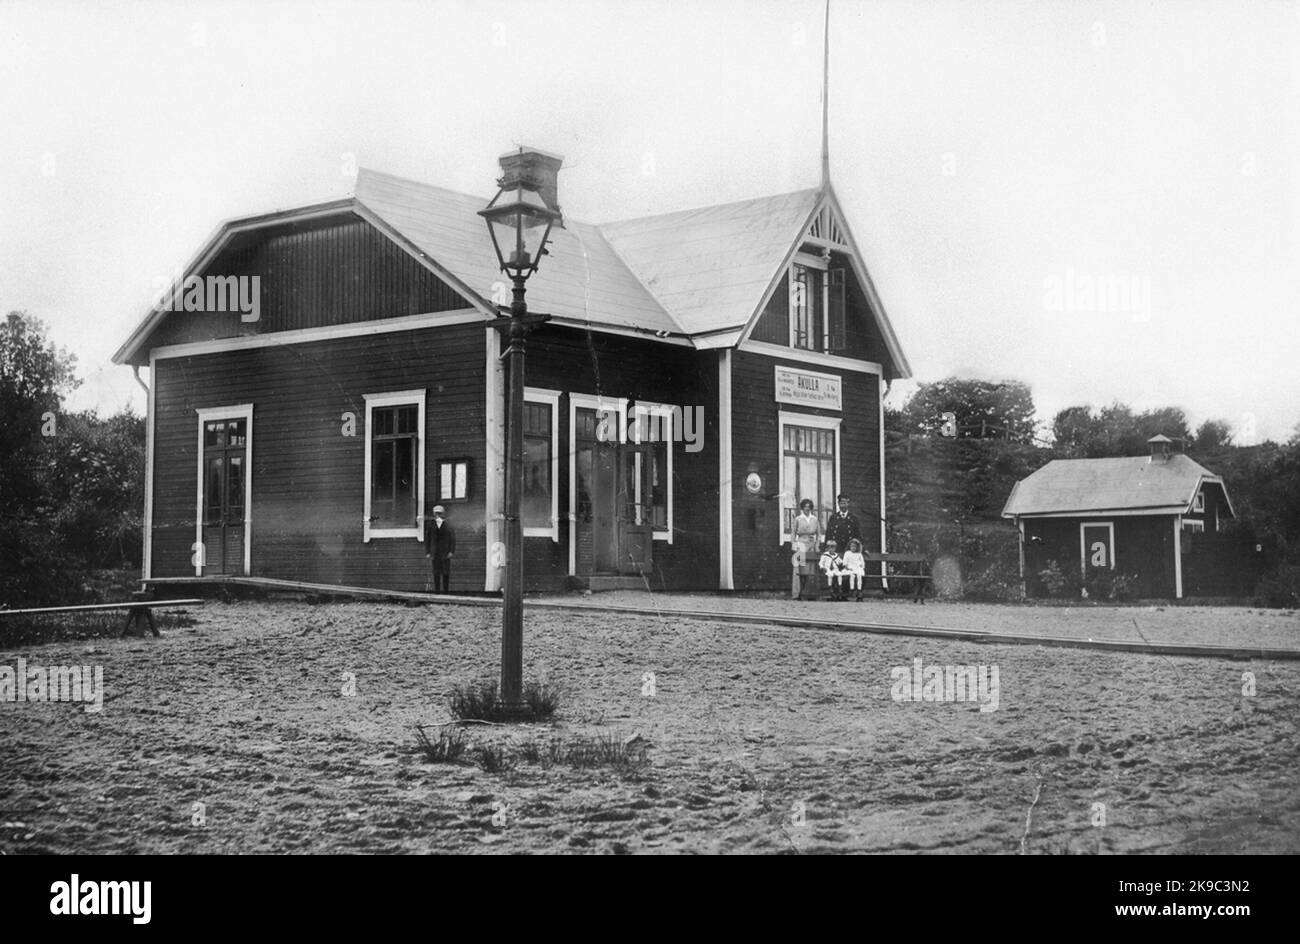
[{"x": 806, "y": 388}]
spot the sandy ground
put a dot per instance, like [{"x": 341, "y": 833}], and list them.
[
  {"x": 761, "y": 739},
  {"x": 1161, "y": 623}
]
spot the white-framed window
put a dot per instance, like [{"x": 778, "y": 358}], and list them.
[
  {"x": 659, "y": 425},
  {"x": 1198, "y": 501},
  {"x": 394, "y": 478},
  {"x": 809, "y": 446},
  {"x": 1194, "y": 525},
  {"x": 817, "y": 304},
  {"x": 540, "y": 504}
]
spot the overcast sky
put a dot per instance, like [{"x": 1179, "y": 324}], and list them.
[{"x": 1100, "y": 199}]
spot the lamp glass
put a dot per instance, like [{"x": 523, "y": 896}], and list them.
[{"x": 520, "y": 222}]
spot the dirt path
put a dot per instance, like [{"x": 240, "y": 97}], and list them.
[{"x": 762, "y": 739}]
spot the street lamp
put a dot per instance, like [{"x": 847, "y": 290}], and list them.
[{"x": 519, "y": 221}]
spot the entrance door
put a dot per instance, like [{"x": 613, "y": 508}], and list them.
[
  {"x": 596, "y": 486},
  {"x": 1097, "y": 545},
  {"x": 224, "y": 466},
  {"x": 635, "y": 524}
]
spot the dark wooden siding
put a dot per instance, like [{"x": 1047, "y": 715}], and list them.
[
  {"x": 758, "y": 560},
  {"x": 862, "y": 332},
  {"x": 575, "y": 361},
  {"x": 1144, "y": 547},
  {"x": 773, "y": 325},
  {"x": 308, "y": 478},
  {"x": 315, "y": 276}
]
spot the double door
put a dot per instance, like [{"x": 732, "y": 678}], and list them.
[{"x": 613, "y": 526}]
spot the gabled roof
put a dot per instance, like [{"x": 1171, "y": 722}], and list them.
[
  {"x": 710, "y": 267},
  {"x": 582, "y": 280},
  {"x": 697, "y": 277},
  {"x": 1102, "y": 486}
]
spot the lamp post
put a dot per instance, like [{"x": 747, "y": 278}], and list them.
[{"x": 519, "y": 220}]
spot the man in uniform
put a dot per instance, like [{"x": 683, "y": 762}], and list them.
[{"x": 842, "y": 527}]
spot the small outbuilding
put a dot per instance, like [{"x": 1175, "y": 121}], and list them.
[{"x": 1157, "y": 520}]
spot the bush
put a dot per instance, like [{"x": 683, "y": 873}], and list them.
[
  {"x": 1280, "y": 588},
  {"x": 1053, "y": 580}
]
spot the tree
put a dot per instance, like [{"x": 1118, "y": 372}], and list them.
[
  {"x": 1078, "y": 433},
  {"x": 34, "y": 376},
  {"x": 984, "y": 409},
  {"x": 1212, "y": 436},
  {"x": 1115, "y": 431}
]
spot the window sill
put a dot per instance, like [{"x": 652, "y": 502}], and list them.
[{"x": 372, "y": 533}]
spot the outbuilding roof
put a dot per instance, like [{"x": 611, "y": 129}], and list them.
[{"x": 1142, "y": 484}]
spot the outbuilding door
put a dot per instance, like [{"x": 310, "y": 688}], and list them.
[
  {"x": 223, "y": 497},
  {"x": 1097, "y": 540}
]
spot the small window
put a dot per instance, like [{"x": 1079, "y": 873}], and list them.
[
  {"x": 1198, "y": 503},
  {"x": 453, "y": 479},
  {"x": 1195, "y": 527}
]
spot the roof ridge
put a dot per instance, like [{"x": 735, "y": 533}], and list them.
[
  {"x": 707, "y": 206},
  {"x": 419, "y": 183}
]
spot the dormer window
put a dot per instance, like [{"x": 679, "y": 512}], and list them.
[
  {"x": 816, "y": 304},
  {"x": 1198, "y": 503}
]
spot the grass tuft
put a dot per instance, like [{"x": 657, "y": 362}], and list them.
[
  {"x": 481, "y": 701},
  {"x": 447, "y": 749}
]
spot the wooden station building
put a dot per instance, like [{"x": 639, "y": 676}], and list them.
[{"x": 701, "y": 373}]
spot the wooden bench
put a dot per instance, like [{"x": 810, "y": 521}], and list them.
[
  {"x": 138, "y": 610},
  {"x": 916, "y": 568}
]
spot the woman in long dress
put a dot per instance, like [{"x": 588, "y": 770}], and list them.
[{"x": 805, "y": 540}]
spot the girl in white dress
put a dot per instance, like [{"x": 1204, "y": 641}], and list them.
[{"x": 855, "y": 566}]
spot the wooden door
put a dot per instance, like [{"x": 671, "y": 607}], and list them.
[
  {"x": 596, "y": 485},
  {"x": 1097, "y": 545},
  {"x": 224, "y": 488}
]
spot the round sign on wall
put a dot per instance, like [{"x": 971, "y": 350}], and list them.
[{"x": 753, "y": 482}]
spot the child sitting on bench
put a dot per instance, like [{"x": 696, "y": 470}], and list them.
[
  {"x": 854, "y": 565},
  {"x": 830, "y": 566}
]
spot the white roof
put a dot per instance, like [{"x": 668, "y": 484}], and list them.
[{"x": 696, "y": 276}]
